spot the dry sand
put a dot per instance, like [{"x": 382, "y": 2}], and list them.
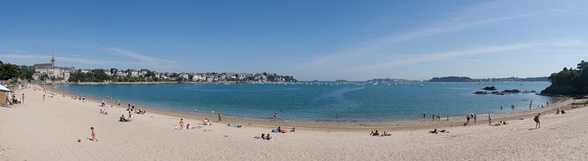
[{"x": 50, "y": 129}]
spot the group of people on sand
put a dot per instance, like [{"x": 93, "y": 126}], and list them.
[
  {"x": 264, "y": 137},
  {"x": 280, "y": 130},
  {"x": 188, "y": 126},
  {"x": 438, "y": 131},
  {"x": 378, "y": 133}
]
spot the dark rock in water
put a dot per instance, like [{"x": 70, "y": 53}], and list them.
[
  {"x": 511, "y": 91},
  {"x": 490, "y": 88},
  {"x": 496, "y": 93},
  {"x": 480, "y": 92}
]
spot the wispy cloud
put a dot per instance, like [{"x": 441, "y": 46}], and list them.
[
  {"x": 147, "y": 62},
  {"x": 441, "y": 56},
  {"x": 373, "y": 46}
]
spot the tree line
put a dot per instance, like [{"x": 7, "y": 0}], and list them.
[
  {"x": 10, "y": 71},
  {"x": 569, "y": 81}
]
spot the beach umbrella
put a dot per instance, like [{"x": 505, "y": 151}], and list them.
[{"x": 4, "y": 89}]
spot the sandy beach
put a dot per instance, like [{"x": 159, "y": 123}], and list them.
[{"x": 50, "y": 129}]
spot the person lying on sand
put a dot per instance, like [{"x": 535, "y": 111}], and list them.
[
  {"x": 375, "y": 133},
  {"x": 262, "y": 136},
  {"x": 438, "y": 131},
  {"x": 386, "y": 134}
]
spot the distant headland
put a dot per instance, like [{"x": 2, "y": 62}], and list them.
[{"x": 468, "y": 79}]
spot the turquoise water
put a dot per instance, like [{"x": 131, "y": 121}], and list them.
[{"x": 323, "y": 101}]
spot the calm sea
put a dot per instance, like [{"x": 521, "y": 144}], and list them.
[{"x": 323, "y": 101}]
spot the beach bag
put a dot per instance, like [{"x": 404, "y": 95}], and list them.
[{"x": 536, "y": 118}]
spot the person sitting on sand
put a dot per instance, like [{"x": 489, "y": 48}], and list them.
[
  {"x": 123, "y": 119},
  {"x": 293, "y": 129},
  {"x": 189, "y": 127},
  {"x": 268, "y": 137},
  {"x": 563, "y": 112},
  {"x": 206, "y": 122},
  {"x": 376, "y": 133},
  {"x": 444, "y": 131},
  {"x": 434, "y": 132}
]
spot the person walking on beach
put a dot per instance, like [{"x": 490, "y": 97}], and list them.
[
  {"x": 93, "y": 134},
  {"x": 22, "y": 100},
  {"x": 219, "y": 117},
  {"x": 537, "y": 122},
  {"x": 468, "y": 118},
  {"x": 181, "y": 123},
  {"x": 275, "y": 116},
  {"x": 438, "y": 117}
]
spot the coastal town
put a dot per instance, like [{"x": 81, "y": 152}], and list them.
[{"x": 50, "y": 72}]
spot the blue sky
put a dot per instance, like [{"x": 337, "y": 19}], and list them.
[{"x": 322, "y": 40}]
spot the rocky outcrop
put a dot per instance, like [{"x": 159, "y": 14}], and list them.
[{"x": 490, "y": 88}]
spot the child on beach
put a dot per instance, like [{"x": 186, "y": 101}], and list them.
[{"x": 93, "y": 134}]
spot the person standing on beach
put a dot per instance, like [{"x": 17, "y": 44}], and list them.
[
  {"x": 438, "y": 117},
  {"x": 489, "y": 119},
  {"x": 181, "y": 123},
  {"x": 275, "y": 116},
  {"x": 468, "y": 118},
  {"x": 475, "y": 119},
  {"x": 22, "y": 100},
  {"x": 537, "y": 122},
  {"x": 43, "y": 97},
  {"x": 433, "y": 117},
  {"x": 212, "y": 112},
  {"x": 93, "y": 134},
  {"x": 219, "y": 117}
]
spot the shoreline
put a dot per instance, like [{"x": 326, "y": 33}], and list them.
[
  {"x": 58, "y": 128},
  {"x": 419, "y": 124}
]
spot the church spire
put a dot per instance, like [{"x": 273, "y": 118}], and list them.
[{"x": 53, "y": 60}]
